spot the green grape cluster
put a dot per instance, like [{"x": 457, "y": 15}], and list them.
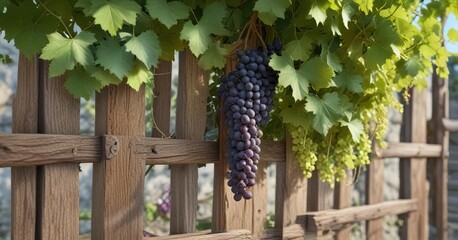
[{"x": 304, "y": 150}]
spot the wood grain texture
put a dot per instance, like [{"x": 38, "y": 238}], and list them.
[
  {"x": 450, "y": 124},
  {"x": 409, "y": 150},
  {"x": 318, "y": 195},
  {"x": 374, "y": 194},
  {"x": 118, "y": 183},
  {"x": 58, "y": 184},
  {"x": 413, "y": 170},
  {"x": 161, "y": 102},
  {"x": 44, "y": 149},
  {"x": 190, "y": 124},
  {"x": 342, "y": 199},
  {"x": 291, "y": 190},
  {"x": 207, "y": 235},
  {"x": 23, "y": 179},
  {"x": 335, "y": 219},
  {"x": 294, "y": 231},
  {"x": 440, "y": 165}
]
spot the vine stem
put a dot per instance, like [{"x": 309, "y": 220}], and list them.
[{"x": 58, "y": 17}]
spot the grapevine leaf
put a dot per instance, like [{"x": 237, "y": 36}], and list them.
[
  {"x": 289, "y": 76},
  {"x": 64, "y": 53},
  {"x": 113, "y": 57},
  {"x": 355, "y": 126},
  {"x": 270, "y": 10},
  {"x": 333, "y": 61},
  {"x": 326, "y": 111},
  {"x": 318, "y": 11},
  {"x": 294, "y": 114},
  {"x": 300, "y": 49},
  {"x": 111, "y": 15},
  {"x": 413, "y": 66},
  {"x": 199, "y": 35},
  {"x": 347, "y": 13},
  {"x": 386, "y": 39},
  {"x": 63, "y": 9},
  {"x": 318, "y": 73},
  {"x": 145, "y": 47},
  {"x": 104, "y": 77},
  {"x": 81, "y": 84},
  {"x": 351, "y": 82},
  {"x": 365, "y": 5},
  {"x": 167, "y": 13},
  {"x": 85, "y": 5},
  {"x": 213, "y": 57},
  {"x": 138, "y": 75},
  {"x": 452, "y": 35},
  {"x": 27, "y": 25},
  {"x": 169, "y": 39}
]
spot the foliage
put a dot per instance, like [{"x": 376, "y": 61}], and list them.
[{"x": 341, "y": 63}]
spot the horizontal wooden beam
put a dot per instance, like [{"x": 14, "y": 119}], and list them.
[
  {"x": 207, "y": 235},
  {"x": 294, "y": 231},
  {"x": 450, "y": 124},
  {"x": 18, "y": 150},
  {"x": 409, "y": 150},
  {"x": 334, "y": 219}
]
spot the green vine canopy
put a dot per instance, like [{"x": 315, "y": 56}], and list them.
[{"x": 341, "y": 64}]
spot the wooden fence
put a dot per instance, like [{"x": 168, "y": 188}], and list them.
[{"x": 45, "y": 149}]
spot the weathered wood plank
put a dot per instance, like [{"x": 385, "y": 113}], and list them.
[
  {"x": 335, "y": 219},
  {"x": 23, "y": 179},
  {"x": 409, "y": 150},
  {"x": 440, "y": 165},
  {"x": 294, "y": 231},
  {"x": 161, "y": 102},
  {"x": 58, "y": 184},
  {"x": 342, "y": 200},
  {"x": 318, "y": 194},
  {"x": 190, "y": 124},
  {"x": 117, "y": 194},
  {"x": 207, "y": 235},
  {"x": 450, "y": 124},
  {"x": 413, "y": 170},
  {"x": 291, "y": 190},
  {"x": 44, "y": 149},
  {"x": 374, "y": 194}
]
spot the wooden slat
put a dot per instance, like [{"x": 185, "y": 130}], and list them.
[
  {"x": 409, "y": 150},
  {"x": 450, "y": 124},
  {"x": 413, "y": 170},
  {"x": 117, "y": 192},
  {"x": 161, "y": 102},
  {"x": 335, "y": 219},
  {"x": 190, "y": 124},
  {"x": 318, "y": 195},
  {"x": 42, "y": 149},
  {"x": 374, "y": 194},
  {"x": 23, "y": 179},
  {"x": 294, "y": 231},
  {"x": 440, "y": 165},
  {"x": 342, "y": 200},
  {"x": 207, "y": 235},
  {"x": 291, "y": 190},
  {"x": 58, "y": 184}
]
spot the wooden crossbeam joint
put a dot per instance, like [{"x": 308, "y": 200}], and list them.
[{"x": 111, "y": 146}]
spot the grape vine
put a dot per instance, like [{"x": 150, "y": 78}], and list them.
[{"x": 342, "y": 61}]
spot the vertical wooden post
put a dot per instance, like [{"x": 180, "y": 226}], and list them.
[
  {"x": 291, "y": 189},
  {"x": 342, "y": 199},
  {"x": 161, "y": 101},
  {"x": 118, "y": 183},
  {"x": 374, "y": 194},
  {"x": 58, "y": 185},
  {"x": 190, "y": 124},
  {"x": 413, "y": 171},
  {"x": 318, "y": 196},
  {"x": 440, "y": 165},
  {"x": 23, "y": 179}
]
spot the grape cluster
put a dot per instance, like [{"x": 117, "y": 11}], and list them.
[
  {"x": 248, "y": 94},
  {"x": 304, "y": 150}
]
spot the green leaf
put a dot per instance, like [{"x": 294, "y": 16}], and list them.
[
  {"x": 365, "y": 5},
  {"x": 413, "y": 66},
  {"x": 214, "y": 57},
  {"x": 270, "y": 10},
  {"x": 355, "y": 126},
  {"x": 300, "y": 49},
  {"x": 146, "y": 48},
  {"x": 111, "y": 15},
  {"x": 452, "y": 35},
  {"x": 169, "y": 40},
  {"x": 138, "y": 75},
  {"x": 318, "y": 11},
  {"x": 113, "y": 57},
  {"x": 351, "y": 82},
  {"x": 326, "y": 111},
  {"x": 81, "y": 84},
  {"x": 64, "y": 53},
  {"x": 167, "y": 13},
  {"x": 295, "y": 114},
  {"x": 347, "y": 13},
  {"x": 318, "y": 73},
  {"x": 333, "y": 61},
  {"x": 289, "y": 76},
  {"x": 199, "y": 35},
  {"x": 104, "y": 77}
]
